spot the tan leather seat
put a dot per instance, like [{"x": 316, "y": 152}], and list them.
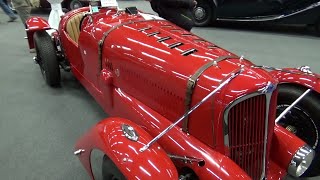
[{"x": 73, "y": 26}]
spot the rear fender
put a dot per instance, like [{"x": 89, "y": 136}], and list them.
[
  {"x": 35, "y": 24},
  {"x": 108, "y": 136},
  {"x": 297, "y": 77}
]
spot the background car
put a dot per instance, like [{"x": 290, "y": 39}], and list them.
[
  {"x": 68, "y": 4},
  {"x": 280, "y": 11}
]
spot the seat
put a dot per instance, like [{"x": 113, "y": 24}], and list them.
[{"x": 73, "y": 26}]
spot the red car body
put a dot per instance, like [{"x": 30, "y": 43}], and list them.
[{"x": 129, "y": 65}]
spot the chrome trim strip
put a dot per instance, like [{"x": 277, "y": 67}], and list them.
[
  {"x": 263, "y": 18},
  {"x": 268, "y": 99}
]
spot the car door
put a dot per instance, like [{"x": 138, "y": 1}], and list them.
[
  {"x": 88, "y": 46},
  {"x": 248, "y": 8}
]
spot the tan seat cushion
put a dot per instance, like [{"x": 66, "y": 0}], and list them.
[{"x": 73, "y": 26}]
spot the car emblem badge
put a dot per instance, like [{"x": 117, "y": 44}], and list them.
[
  {"x": 268, "y": 88},
  {"x": 129, "y": 132}
]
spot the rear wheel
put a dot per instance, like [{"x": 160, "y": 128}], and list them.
[
  {"x": 203, "y": 13},
  {"x": 303, "y": 119},
  {"x": 110, "y": 170},
  {"x": 47, "y": 58}
]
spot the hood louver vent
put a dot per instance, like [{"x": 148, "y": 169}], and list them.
[
  {"x": 184, "y": 35},
  {"x": 153, "y": 34},
  {"x": 144, "y": 29},
  {"x": 164, "y": 39},
  {"x": 188, "y": 52},
  {"x": 173, "y": 45},
  {"x": 175, "y": 30},
  {"x": 199, "y": 40},
  {"x": 212, "y": 47},
  {"x": 166, "y": 26}
]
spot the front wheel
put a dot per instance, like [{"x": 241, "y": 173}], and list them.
[
  {"x": 110, "y": 170},
  {"x": 203, "y": 13},
  {"x": 303, "y": 120},
  {"x": 47, "y": 58}
]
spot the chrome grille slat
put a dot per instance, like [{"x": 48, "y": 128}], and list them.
[{"x": 246, "y": 122}]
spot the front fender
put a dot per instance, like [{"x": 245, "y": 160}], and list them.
[
  {"x": 109, "y": 137},
  {"x": 35, "y": 24},
  {"x": 311, "y": 81},
  {"x": 284, "y": 146}
]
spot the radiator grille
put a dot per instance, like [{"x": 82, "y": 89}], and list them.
[{"x": 246, "y": 130}]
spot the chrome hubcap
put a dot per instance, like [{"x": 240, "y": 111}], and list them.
[
  {"x": 199, "y": 13},
  {"x": 76, "y": 6}
]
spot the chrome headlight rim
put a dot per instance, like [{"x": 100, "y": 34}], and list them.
[{"x": 301, "y": 161}]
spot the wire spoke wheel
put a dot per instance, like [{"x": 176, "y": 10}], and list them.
[
  {"x": 75, "y": 4},
  {"x": 303, "y": 119},
  {"x": 203, "y": 13},
  {"x": 300, "y": 123}
]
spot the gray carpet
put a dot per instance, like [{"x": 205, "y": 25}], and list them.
[{"x": 39, "y": 125}]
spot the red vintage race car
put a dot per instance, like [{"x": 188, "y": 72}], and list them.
[{"x": 181, "y": 107}]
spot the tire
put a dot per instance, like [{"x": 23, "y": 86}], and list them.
[
  {"x": 110, "y": 170},
  {"x": 203, "y": 13},
  {"x": 47, "y": 58},
  {"x": 74, "y": 4},
  {"x": 303, "y": 120}
]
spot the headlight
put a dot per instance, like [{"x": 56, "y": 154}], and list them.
[{"x": 301, "y": 161}]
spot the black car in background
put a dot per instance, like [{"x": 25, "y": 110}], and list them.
[{"x": 281, "y": 11}]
